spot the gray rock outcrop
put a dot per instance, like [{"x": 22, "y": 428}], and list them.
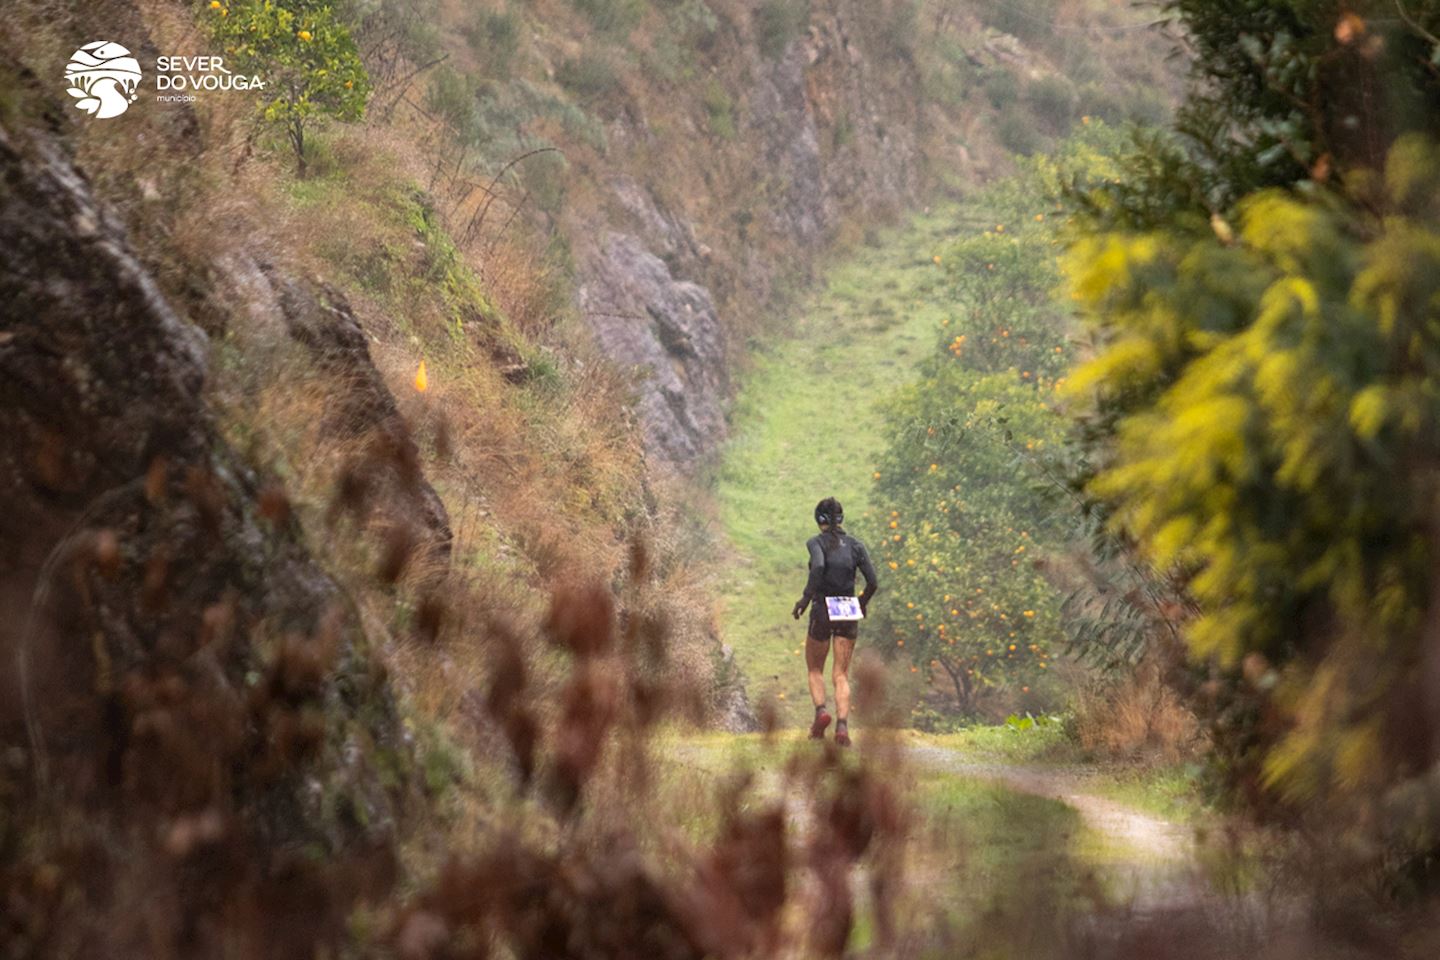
[
  {"x": 668, "y": 332},
  {"x": 828, "y": 133},
  {"x": 186, "y": 694},
  {"x": 802, "y": 210}
]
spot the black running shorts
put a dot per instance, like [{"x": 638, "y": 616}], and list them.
[{"x": 822, "y": 628}]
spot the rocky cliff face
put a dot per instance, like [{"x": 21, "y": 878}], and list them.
[
  {"x": 831, "y": 130},
  {"x": 188, "y": 699},
  {"x": 668, "y": 331}
]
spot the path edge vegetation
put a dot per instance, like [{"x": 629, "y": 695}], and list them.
[{"x": 1258, "y": 417}]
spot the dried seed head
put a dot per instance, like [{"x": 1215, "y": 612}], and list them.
[
  {"x": 106, "y": 552},
  {"x": 154, "y": 585},
  {"x": 156, "y": 477},
  {"x": 275, "y": 505},
  {"x": 639, "y": 561},
  {"x": 429, "y": 617},
  {"x": 205, "y": 492},
  {"x": 352, "y": 492},
  {"x": 395, "y": 551},
  {"x": 581, "y": 619}
]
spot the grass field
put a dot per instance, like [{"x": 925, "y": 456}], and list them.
[{"x": 807, "y": 426}]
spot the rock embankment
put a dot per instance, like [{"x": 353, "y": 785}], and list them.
[
  {"x": 831, "y": 131},
  {"x": 186, "y": 695}
]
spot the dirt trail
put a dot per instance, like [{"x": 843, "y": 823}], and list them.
[
  {"x": 1150, "y": 836},
  {"x": 1154, "y": 868}
]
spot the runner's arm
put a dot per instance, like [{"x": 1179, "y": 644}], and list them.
[
  {"x": 872, "y": 582},
  {"x": 812, "y": 583},
  {"x": 817, "y": 569}
]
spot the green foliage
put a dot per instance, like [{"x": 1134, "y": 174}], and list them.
[
  {"x": 612, "y": 16},
  {"x": 451, "y": 95},
  {"x": 965, "y": 594},
  {"x": 444, "y": 764},
  {"x": 1080, "y": 62},
  {"x": 1002, "y": 88},
  {"x": 442, "y": 267},
  {"x": 927, "y": 719},
  {"x": 1044, "y": 743},
  {"x": 1144, "y": 106},
  {"x": 415, "y": 258},
  {"x": 1102, "y": 101},
  {"x": 1030, "y": 20},
  {"x": 777, "y": 22},
  {"x": 400, "y": 32},
  {"x": 496, "y": 123},
  {"x": 494, "y": 35},
  {"x": 1094, "y": 154},
  {"x": 494, "y": 117},
  {"x": 1274, "y": 387},
  {"x": 1260, "y": 411},
  {"x": 946, "y": 76},
  {"x": 695, "y": 23},
  {"x": 1285, "y": 90},
  {"x": 719, "y": 110},
  {"x": 1051, "y": 107},
  {"x": 546, "y": 177},
  {"x": 968, "y": 525},
  {"x": 1017, "y": 133},
  {"x": 306, "y": 56},
  {"x": 590, "y": 76},
  {"x": 691, "y": 27},
  {"x": 1052, "y": 100},
  {"x": 1004, "y": 281},
  {"x": 965, "y": 485},
  {"x": 1030, "y": 722},
  {"x": 890, "y": 28},
  {"x": 1147, "y": 107}
]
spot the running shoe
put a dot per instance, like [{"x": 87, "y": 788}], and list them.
[{"x": 817, "y": 729}]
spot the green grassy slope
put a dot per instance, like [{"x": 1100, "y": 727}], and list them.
[{"x": 857, "y": 338}]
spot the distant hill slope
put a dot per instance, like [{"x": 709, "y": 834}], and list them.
[{"x": 730, "y": 143}]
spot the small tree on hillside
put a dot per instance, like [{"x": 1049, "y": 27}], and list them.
[
  {"x": 963, "y": 529},
  {"x": 305, "y": 55}
]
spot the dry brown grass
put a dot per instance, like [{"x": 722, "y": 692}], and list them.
[{"x": 1138, "y": 717}]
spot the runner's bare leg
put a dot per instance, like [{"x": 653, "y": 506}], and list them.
[
  {"x": 815, "y": 653},
  {"x": 844, "y": 647}
]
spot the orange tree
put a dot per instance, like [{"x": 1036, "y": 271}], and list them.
[
  {"x": 965, "y": 532},
  {"x": 306, "y": 55},
  {"x": 962, "y": 488},
  {"x": 968, "y": 522}
]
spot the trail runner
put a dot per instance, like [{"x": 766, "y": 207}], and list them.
[{"x": 836, "y": 612}]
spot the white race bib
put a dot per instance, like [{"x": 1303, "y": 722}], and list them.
[{"x": 843, "y": 608}]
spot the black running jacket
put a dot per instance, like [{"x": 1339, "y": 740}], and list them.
[{"x": 834, "y": 558}]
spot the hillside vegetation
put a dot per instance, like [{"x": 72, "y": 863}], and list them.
[
  {"x": 359, "y": 446},
  {"x": 502, "y": 143}
]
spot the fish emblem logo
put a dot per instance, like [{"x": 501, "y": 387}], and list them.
[{"x": 103, "y": 78}]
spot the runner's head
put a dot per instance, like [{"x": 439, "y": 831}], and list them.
[{"x": 829, "y": 513}]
